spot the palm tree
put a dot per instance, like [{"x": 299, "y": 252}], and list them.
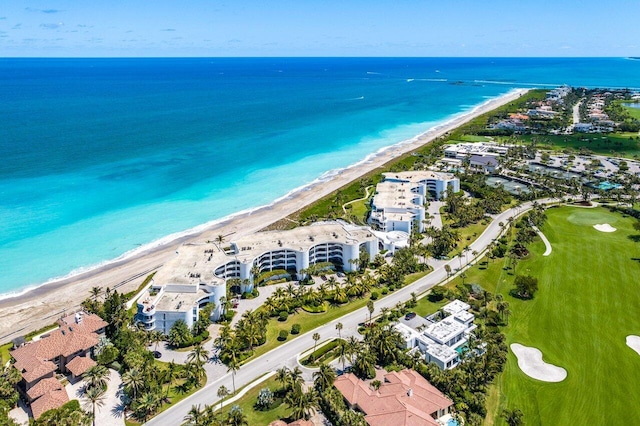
[
  {"x": 133, "y": 380},
  {"x": 282, "y": 376},
  {"x": 236, "y": 417},
  {"x": 324, "y": 377},
  {"x": 194, "y": 416},
  {"x": 170, "y": 375},
  {"x": 95, "y": 292},
  {"x": 94, "y": 396},
  {"x": 295, "y": 379},
  {"x": 220, "y": 239},
  {"x": 339, "y": 328},
  {"x": 370, "y": 308},
  {"x": 97, "y": 376},
  {"x": 512, "y": 417},
  {"x": 316, "y": 337},
  {"x": 148, "y": 403},
  {"x": 343, "y": 353},
  {"x": 233, "y": 366},
  {"x": 195, "y": 372},
  {"x": 302, "y": 405},
  {"x": 156, "y": 337},
  {"x": 198, "y": 355},
  {"x": 222, "y": 394}
]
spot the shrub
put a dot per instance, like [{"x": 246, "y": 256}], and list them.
[
  {"x": 436, "y": 294},
  {"x": 265, "y": 399},
  {"x": 282, "y": 335},
  {"x": 384, "y": 290},
  {"x": 374, "y": 295},
  {"x": 108, "y": 355},
  {"x": 295, "y": 329}
]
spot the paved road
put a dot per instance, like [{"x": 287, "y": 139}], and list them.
[{"x": 285, "y": 355}]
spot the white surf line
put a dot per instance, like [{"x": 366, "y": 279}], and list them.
[{"x": 546, "y": 242}]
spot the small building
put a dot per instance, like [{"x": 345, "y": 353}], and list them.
[{"x": 404, "y": 398}]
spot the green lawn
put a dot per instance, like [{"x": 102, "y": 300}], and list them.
[
  {"x": 307, "y": 322},
  {"x": 633, "y": 112},
  {"x": 623, "y": 144},
  {"x": 588, "y": 302},
  {"x": 255, "y": 417}
]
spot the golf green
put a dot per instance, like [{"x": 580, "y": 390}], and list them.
[{"x": 588, "y": 302}]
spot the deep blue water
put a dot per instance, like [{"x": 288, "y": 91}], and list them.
[{"x": 100, "y": 156}]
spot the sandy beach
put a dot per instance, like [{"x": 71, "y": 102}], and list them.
[{"x": 43, "y": 305}]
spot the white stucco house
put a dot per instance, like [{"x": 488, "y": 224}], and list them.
[{"x": 440, "y": 341}]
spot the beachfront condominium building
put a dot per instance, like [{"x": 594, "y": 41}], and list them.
[
  {"x": 398, "y": 204},
  {"x": 183, "y": 286},
  {"x": 200, "y": 273},
  {"x": 477, "y": 156},
  {"x": 441, "y": 340}
]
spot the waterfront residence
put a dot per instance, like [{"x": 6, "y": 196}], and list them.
[
  {"x": 440, "y": 337},
  {"x": 200, "y": 273},
  {"x": 398, "y": 204},
  {"x": 404, "y": 398},
  {"x": 66, "y": 350}
]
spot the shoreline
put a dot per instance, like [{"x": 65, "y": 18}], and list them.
[{"x": 36, "y": 306}]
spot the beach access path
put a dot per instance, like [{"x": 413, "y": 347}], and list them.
[
  {"x": 45, "y": 304},
  {"x": 286, "y": 355}
]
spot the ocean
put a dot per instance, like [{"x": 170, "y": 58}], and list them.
[{"x": 102, "y": 157}]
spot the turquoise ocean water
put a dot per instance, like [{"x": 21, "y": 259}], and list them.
[{"x": 102, "y": 157}]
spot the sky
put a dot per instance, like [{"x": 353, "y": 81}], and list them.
[{"x": 143, "y": 28}]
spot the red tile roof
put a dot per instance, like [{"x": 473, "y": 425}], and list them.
[
  {"x": 49, "y": 401},
  {"x": 404, "y": 398},
  {"x": 44, "y": 386},
  {"x": 80, "y": 364},
  {"x": 34, "y": 359}
]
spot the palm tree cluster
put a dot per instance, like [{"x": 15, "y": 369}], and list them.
[
  {"x": 96, "y": 379},
  {"x": 237, "y": 343},
  {"x": 9, "y": 378},
  {"x": 208, "y": 416}
]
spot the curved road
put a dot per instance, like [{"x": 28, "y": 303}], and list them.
[{"x": 285, "y": 355}]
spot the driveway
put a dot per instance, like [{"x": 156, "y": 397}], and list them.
[{"x": 112, "y": 412}]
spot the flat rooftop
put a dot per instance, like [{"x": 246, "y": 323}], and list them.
[
  {"x": 456, "y": 306},
  {"x": 178, "y": 301},
  {"x": 301, "y": 238},
  {"x": 445, "y": 330},
  {"x": 441, "y": 352},
  {"x": 195, "y": 263},
  {"x": 416, "y": 176},
  {"x": 395, "y": 195}
]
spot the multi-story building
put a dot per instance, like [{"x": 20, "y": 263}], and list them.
[
  {"x": 200, "y": 274},
  {"x": 66, "y": 350},
  {"x": 398, "y": 204},
  {"x": 441, "y": 341}
]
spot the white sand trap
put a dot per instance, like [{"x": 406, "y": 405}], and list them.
[
  {"x": 531, "y": 363},
  {"x": 634, "y": 343},
  {"x": 605, "y": 227}
]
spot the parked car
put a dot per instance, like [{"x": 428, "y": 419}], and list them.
[{"x": 410, "y": 316}]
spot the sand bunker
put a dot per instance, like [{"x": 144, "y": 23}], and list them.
[
  {"x": 531, "y": 363},
  {"x": 634, "y": 343},
  {"x": 605, "y": 227}
]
